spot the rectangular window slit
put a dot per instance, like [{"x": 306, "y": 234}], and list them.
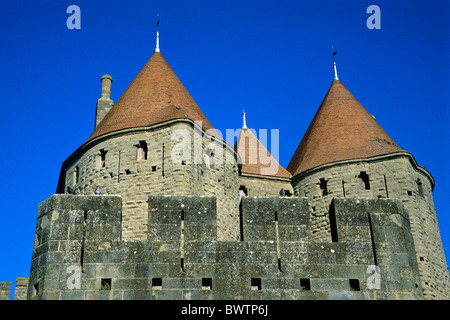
[
  {"x": 364, "y": 181},
  {"x": 206, "y": 284},
  {"x": 354, "y": 284},
  {"x": 305, "y": 284},
  {"x": 420, "y": 187},
  {"x": 36, "y": 289},
  {"x": 106, "y": 284},
  {"x": 385, "y": 186},
  {"x": 101, "y": 159},
  {"x": 157, "y": 283},
  {"x": 153, "y": 168},
  {"x": 323, "y": 188},
  {"x": 333, "y": 224},
  {"x": 256, "y": 283},
  {"x": 142, "y": 151}
]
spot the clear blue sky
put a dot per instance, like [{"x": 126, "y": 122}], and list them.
[{"x": 271, "y": 58}]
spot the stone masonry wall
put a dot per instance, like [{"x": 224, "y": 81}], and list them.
[
  {"x": 264, "y": 186},
  {"x": 78, "y": 252},
  {"x": 388, "y": 177},
  {"x": 5, "y": 290},
  {"x": 158, "y": 161}
]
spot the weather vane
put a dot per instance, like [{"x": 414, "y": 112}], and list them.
[{"x": 334, "y": 64}]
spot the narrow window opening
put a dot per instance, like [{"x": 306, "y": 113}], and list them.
[
  {"x": 206, "y": 284},
  {"x": 323, "y": 188},
  {"x": 36, "y": 289},
  {"x": 182, "y": 240},
  {"x": 420, "y": 187},
  {"x": 76, "y": 175},
  {"x": 208, "y": 155},
  {"x": 153, "y": 168},
  {"x": 354, "y": 284},
  {"x": 305, "y": 284},
  {"x": 243, "y": 191},
  {"x": 279, "y": 265},
  {"x": 385, "y": 186},
  {"x": 101, "y": 159},
  {"x": 333, "y": 225},
  {"x": 157, "y": 283},
  {"x": 256, "y": 283},
  {"x": 421, "y": 259},
  {"x": 127, "y": 171},
  {"x": 343, "y": 188},
  {"x": 372, "y": 238},
  {"x": 364, "y": 181},
  {"x": 105, "y": 284},
  {"x": 277, "y": 235},
  {"x": 409, "y": 193},
  {"x": 183, "y": 162},
  {"x": 142, "y": 151}
]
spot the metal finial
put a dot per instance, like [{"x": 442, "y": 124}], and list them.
[
  {"x": 334, "y": 64},
  {"x": 157, "y": 35}
]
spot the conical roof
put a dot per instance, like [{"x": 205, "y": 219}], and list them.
[
  {"x": 255, "y": 157},
  {"x": 341, "y": 129},
  {"x": 154, "y": 96}
]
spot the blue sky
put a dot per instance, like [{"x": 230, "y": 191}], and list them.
[{"x": 271, "y": 58}]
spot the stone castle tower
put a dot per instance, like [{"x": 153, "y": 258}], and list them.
[{"x": 157, "y": 205}]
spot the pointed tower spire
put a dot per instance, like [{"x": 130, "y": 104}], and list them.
[
  {"x": 335, "y": 72},
  {"x": 244, "y": 124},
  {"x": 342, "y": 129},
  {"x": 157, "y": 36},
  {"x": 334, "y": 63}
]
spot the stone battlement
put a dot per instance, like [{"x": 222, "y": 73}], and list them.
[{"x": 79, "y": 253}]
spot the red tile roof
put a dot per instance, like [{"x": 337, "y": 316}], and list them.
[
  {"x": 342, "y": 129},
  {"x": 250, "y": 150},
  {"x": 154, "y": 96}
]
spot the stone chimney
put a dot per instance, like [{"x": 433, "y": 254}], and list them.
[{"x": 104, "y": 104}]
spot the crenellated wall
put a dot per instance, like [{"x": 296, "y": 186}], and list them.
[{"x": 79, "y": 252}]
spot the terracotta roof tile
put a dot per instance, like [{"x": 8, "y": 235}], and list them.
[
  {"x": 341, "y": 129},
  {"x": 250, "y": 150},
  {"x": 154, "y": 96}
]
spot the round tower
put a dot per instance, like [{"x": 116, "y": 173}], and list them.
[
  {"x": 155, "y": 141},
  {"x": 346, "y": 153}
]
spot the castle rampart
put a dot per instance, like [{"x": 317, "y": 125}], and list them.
[{"x": 79, "y": 252}]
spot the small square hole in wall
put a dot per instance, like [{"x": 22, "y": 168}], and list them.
[
  {"x": 127, "y": 171},
  {"x": 354, "y": 284},
  {"x": 105, "y": 284},
  {"x": 157, "y": 283},
  {"x": 256, "y": 283},
  {"x": 305, "y": 284},
  {"x": 183, "y": 162},
  {"x": 206, "y": 284},
  {"x": 409, "y": 193},
  {"x": 153, "y": 168}
]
